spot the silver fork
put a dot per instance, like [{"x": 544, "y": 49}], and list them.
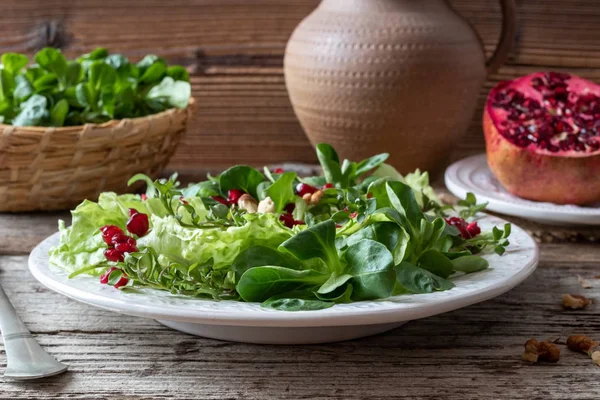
[{"x": 25, "y": 359}]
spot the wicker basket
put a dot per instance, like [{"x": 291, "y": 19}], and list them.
[{"x": 57, "y": 168}]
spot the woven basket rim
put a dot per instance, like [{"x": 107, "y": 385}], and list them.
[{"x": 106, "y": 124}]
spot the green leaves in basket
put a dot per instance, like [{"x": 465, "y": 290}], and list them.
[{"x": 94, "y": 88}]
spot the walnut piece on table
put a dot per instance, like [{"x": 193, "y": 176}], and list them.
[
  {"x": 574, "y": 301},
  {"x": 582, "y": 344},
  {"x": 541, "y": 351}
]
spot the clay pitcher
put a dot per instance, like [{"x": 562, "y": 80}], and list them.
[{"x": 396, "y": 76}]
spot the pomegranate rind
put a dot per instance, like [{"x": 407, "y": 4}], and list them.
[{"x": 540, "y": 176}]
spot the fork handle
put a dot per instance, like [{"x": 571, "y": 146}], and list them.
[{"x": 10, "y": 323}]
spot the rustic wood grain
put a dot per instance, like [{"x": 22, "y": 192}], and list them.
[
  {"x": 235, "y": 48},
  {"x": 472, "y": 353}
]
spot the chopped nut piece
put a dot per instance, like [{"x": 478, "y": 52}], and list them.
[
  {"x": 574, "y": 301},
  {"x": 313, "y": 198},
  {"x": 266, "y": 206},
  {"x": 596, "y": 358},
  {"x": 248, "y": 203},
  {"x": 542, "y": 351},
  {"x": 584, "y": 283},
  {"x": 581, "y": 343}
]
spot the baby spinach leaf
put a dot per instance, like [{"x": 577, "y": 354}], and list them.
[
  {"x": 282, "y": 191},
  {"x": 435, "y": 262},
  {"x": 403, "y": 200},
  {"x": 370, "y": 163},
  {"x": 175, "y": 93},
  {"x": 52, "y": 60},
  {"x": 318, "y": 241},
  {"x": 261, "y": 283},
  {"x": 378, "y": 191},
  {"x": 14, "y": 62},
  {"x": 334, "y": 282},
  {"x": 33, "y": 111},
  {"x": 178, "y": 73},
  {"x": 393, "y": 237},
  {"x": 330, "y": 162},
  {"x": 96, "y": 54},
  {"x": 45, "y": 84},
  {"x": 116, "y": 61},
  {"x": 296, "y": 301},
  {"x": 154, "y": 73},
  {"x": 101, "y": 75},
  {"x": 343, "y": 294},
  {"x": 85, "y": 95},
  {"x": 241, "y": 177},
  {"x": 419, "y": 280},
  {"x": 75, "y": 73},
  {"x": 470, "y": 264},
  {"x": 59, "y": 113},
  {"x": 372, "y": 268},
  {"x": 258, "y": 256},
  {"x": 7, "y": 84},
  {"x": 23, "y": 88}
]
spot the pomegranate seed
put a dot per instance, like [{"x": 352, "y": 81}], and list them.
[
  {"x": 132, "y": 211},
  {"x": 122, "y": 282},
  {"x": 290, "y": 207},
  {"x": 234, "y": 195},
  {"x": 328, "y": 186},
  {"x": 220, "y": 200},
  {"x": 113, "y": 255},
  {"x": 369, "y": 195},
  {"x": 354, "y": 215},
  {"x": 473, "y": 229},
  {"x": 303, "y": 188},
  {"x": 183, "y": 201},
  {"x": 278, "y": 170},
  {"x": 120, "y": 238},
  {"x": 144, "y": 197},
  {"x": 128, "y": 246},
  {"x": 109, "y": 231},
  {"x": 104, "y": 277},
  {"x": 138, "y": 224},
  {"x": 287, "y": 219},
  {"x": 461, "y": 224}
]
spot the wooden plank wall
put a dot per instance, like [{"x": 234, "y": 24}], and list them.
[{"x": 234, "y": 49}]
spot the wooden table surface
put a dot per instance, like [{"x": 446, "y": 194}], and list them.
[{"x": 472, "y": 353}]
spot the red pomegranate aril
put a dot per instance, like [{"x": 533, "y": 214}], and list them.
[
  {"x": 144, "y": 197},
  {"x": 461, "y": 225},
  {"x": 105, "y": 276},
  {"x": 126, "y": 247},
  {"x": 278, "y": 170},
  {"x": 120, "y": 238},
  {"x": 328, "y": 186},
  {"x": 473, "y": 229},
  {"x": 132, "y": 211},
  {"x": 122, "y": 282},
  {"x": 220, "y": 200},
  {"x": 290, "y": 207},
  {"x": 354, "y": 215},
  {"x": 109, "y": 231},
  {"x": 287, "y": 219},
  {"x": 234, "y": 195},
  {"x": 138, "y": 224},
  {"x": 113, "y": 255},
  {"x": 303, "y": 188}
]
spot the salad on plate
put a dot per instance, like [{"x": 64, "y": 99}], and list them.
[{"x": 361, "y": 231}]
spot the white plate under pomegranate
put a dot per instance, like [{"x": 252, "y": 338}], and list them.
[
  {"x": 472, "y": 174},
  {"x": 248, "y": 322}
]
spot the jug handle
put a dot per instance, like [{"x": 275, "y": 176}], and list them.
[{"x": 509, "y": 26}]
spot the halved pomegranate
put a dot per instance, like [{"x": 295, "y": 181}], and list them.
[{"x": 542, "y": 135}]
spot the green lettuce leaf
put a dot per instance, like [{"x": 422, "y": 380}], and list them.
[
  {"x": 187, "y": 246},
  {"x": 81, "y": 244}
]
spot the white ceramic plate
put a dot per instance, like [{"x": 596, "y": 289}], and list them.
[
  {"x": 248, "y": 322},
  {"x": 472, "y": 174}
]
